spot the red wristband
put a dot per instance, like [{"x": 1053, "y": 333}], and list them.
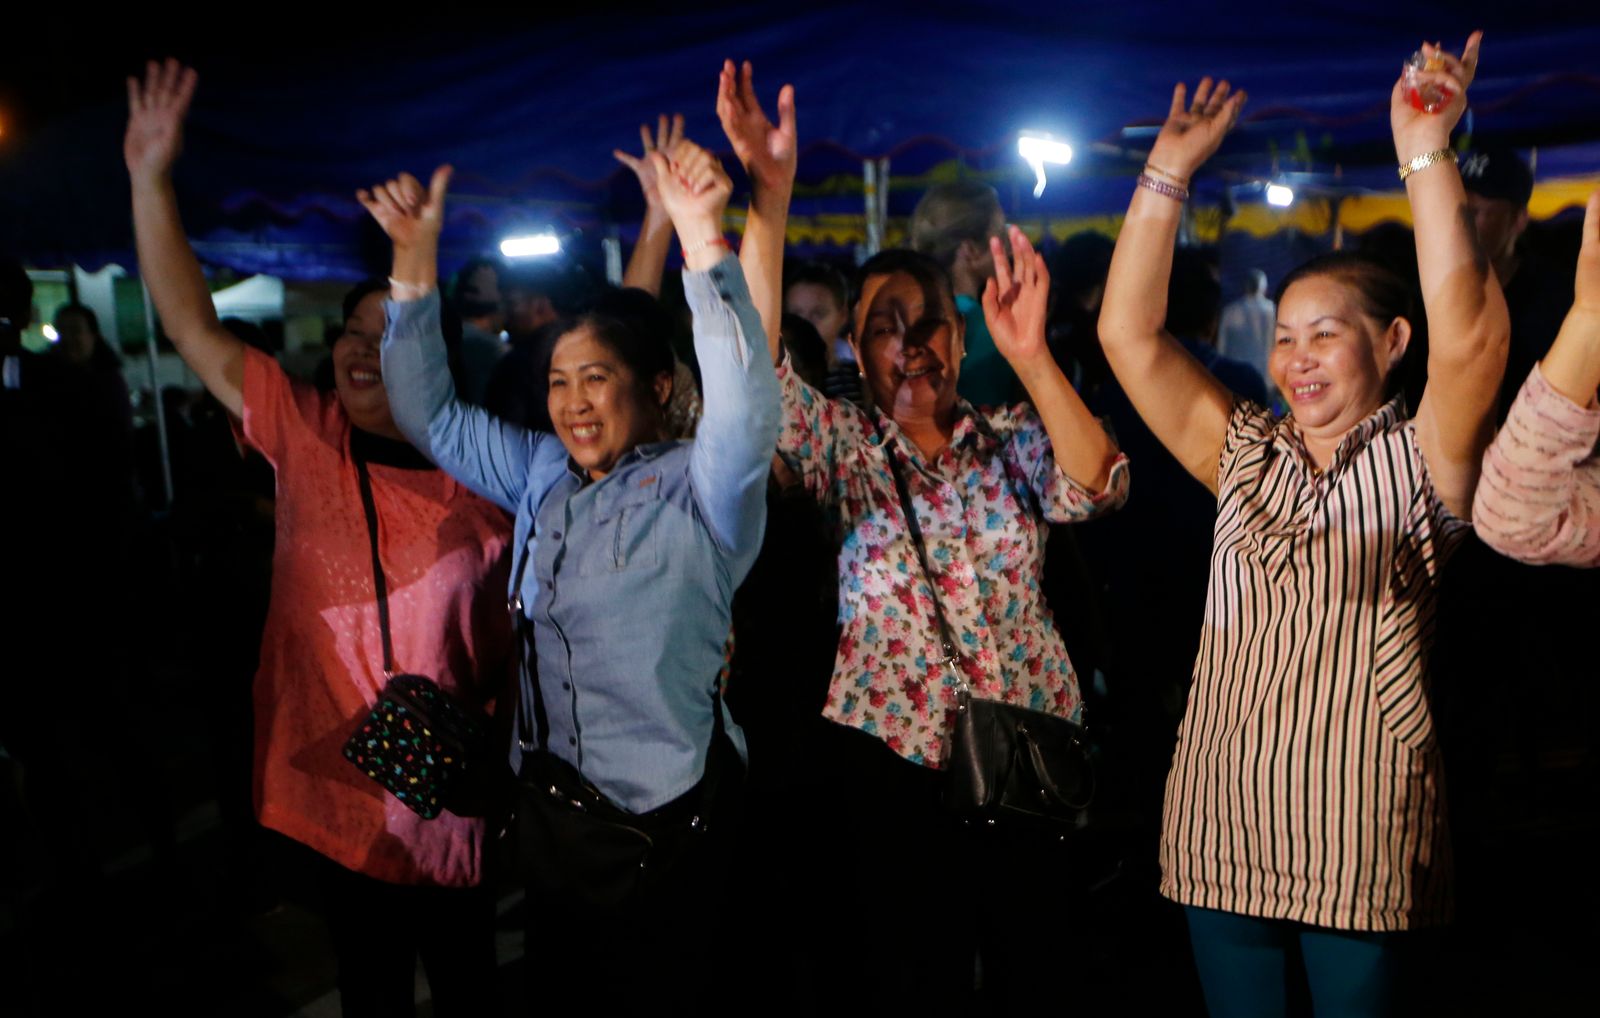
[{"x": 721, "y": 242}]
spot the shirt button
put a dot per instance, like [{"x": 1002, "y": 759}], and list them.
[
  {"x": 549, "y": 585},
  {"x": 566, "y": 685},
  {"x": 556, "y": 535},
  {"x": 572, "y": 740}
]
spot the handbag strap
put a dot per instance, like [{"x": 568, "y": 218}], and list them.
[
  {"x": 369, "y": 506},
  {"x": 528, "y": 692},
  {"x": 947, "y": 641},
  {"x": 529, "y": 687}
]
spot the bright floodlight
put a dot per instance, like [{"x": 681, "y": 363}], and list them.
[
  {"x": 537, "y": 245},
  {"x": 1037, "y": 149},
  {"x": 49, "y": 332},
  {"x": 1279, "y": 195}
]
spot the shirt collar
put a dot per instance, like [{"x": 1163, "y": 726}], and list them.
[
  {"x": 1356, "y": 439},
  {"x": 970, "y": 431},
  {"x": 642, "y": 451}
]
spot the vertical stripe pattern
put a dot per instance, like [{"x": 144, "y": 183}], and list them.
[{"x": 1307, "y": 782}]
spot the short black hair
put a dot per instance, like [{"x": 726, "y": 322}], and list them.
[
  {"x": 631, "y": 324},
  {"x": 469, "y": 306},
  {"x": 807, "y": 353},
  {"x": 360, "y": 292},
  {"x": 933, "y": 277},
  {"x": 824, "y": 275},
  {"x": 82, "y": 311}
]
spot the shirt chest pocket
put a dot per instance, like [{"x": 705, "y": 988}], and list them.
[{"x": 625, "y": 531}]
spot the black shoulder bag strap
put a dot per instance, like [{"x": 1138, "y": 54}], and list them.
[
  {"x": 528, "y": 692},
  {"x": 946, "y": 640},
  {"x": 370, "y": 507}
]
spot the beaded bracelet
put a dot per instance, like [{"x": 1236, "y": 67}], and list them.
[
  {"x": 403, "y": 291},
  {"x": 1163, "y": 188},
  {"x": 1168, "y": 175},
  {"x": 1427, "y": 159}
]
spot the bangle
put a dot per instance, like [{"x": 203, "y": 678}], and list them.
[
  {"x": 1152, "y": 168},
  {"x": 403, "y": 291},
  {"x": 1163, "y": 188},
  {"x": 1427, "y": 159},
  {"x": 696, "y": 248}
]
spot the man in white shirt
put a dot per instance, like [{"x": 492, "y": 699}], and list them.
[{"x": 1248, "y": 325}]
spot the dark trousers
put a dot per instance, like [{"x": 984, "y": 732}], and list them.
[
  {"x": 890, "y": 903},
  {"x": 379, "y": 931},
  {"x": 667, "y": 948}
]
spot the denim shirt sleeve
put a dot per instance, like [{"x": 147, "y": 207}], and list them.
[
  {"x": 486, "y": 454},
  {"x": 738, "y": 431}
]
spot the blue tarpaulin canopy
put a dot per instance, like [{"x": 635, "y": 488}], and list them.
[{"x": 530, "y": 117}]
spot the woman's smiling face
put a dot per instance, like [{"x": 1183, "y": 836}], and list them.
[
  {"x": 1330, "y": 358},
  {"x": 598, "y": 408},
  {"x": 909, "y": 345}
]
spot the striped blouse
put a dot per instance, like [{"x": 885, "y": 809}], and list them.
[
  {"x": 1539, "y": 498},
  {"x": 1307, "y": 783}
]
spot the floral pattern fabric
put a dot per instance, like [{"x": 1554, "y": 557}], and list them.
[{"x": 980, "y": 503}]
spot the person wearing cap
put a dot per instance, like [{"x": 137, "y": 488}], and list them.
[{"x": 1538, "y": 292}]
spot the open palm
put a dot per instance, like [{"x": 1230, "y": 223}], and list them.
[
  {"x": 155, "y": 117},
  {"x": 668, "y": 133},
  {"x": 768, "y": 152},
  {"x": 1193, "y": 131},
  {"x": 1017, "y": 300}
]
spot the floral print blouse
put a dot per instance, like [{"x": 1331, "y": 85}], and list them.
[{"x": 981, "y": 502}]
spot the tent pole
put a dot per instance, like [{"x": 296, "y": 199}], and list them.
[
  {"x": 869, "y": 187},
  {"x": 883, "y": 201},
  {"x": 155, "y": 392},
  {"x": 611, "y": 244}
]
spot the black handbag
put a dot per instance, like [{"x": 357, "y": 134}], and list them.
[
  {"x": 576, "y": 844},
  {"x": 1006, "y": 763},
  {"x": 430, "y": 752}
]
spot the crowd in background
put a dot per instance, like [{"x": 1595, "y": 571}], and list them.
[{"x": 846, "y": 879}]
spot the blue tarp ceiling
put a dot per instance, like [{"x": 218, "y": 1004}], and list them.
[{"x": 530, "y": 117}]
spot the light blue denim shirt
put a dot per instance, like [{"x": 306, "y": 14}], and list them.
[{"x": 630, "y": 579}]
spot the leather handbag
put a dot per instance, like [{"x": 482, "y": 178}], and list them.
[
  {"x": 1006, "y": 763},
  {"x": 430, "y": 752}
]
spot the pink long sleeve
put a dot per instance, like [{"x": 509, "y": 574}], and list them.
[{"x": 1539, "y": 498}]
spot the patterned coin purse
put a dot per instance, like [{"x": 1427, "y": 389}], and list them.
[{"x": 416, "y": 743}]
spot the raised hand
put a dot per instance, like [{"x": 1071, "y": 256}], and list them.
[
  {"x": 155, "y": 118},
  {"x": 408, "y": 214},
  {"x": 1586, "y": 289},
  {"x": 767, "y": 152},
  {"x": 1194, "y": 130},
  {"x": 1417, "y": 132},
  {"x": 694, "y": 190},
  {"x": 1017, "y": 300},
  {"x": 668, "y": 134}
]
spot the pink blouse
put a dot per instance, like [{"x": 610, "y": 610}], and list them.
[{"x": 444, "y": 556}]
